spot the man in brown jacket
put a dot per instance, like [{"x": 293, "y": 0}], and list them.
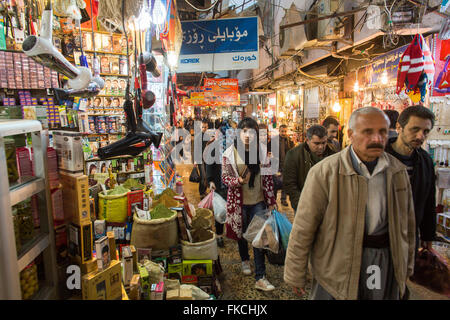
[{"x": 355, "y": 220}]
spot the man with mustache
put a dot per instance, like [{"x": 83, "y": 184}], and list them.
[
  {"x": 355, "y": 220},
  {"x": 413, "y": 126}
]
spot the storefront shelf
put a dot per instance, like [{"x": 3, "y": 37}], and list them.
[
  {"x": 32, "y": 250},
  {"x": 13, "y": 127},
  {"x": 26, "y": 188}
]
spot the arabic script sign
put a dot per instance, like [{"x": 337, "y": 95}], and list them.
[
  {"x": 215, "y": 93},
  {"x": 224, "y": 44}
]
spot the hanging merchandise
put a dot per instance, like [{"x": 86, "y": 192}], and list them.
[
  {"x": 139, "y": 134},
  {"x": 416, "y": 70}
]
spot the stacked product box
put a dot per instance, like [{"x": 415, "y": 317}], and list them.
[
  {"x": 3, "y": 73},
  {"x": 40, "y": 74},
  {"x": 33, "y": 74},
  {"x": 18, "y": 74},
  {"x": 55, "y": 79},
  {"x": 26, "y": 71},
  {"x": 10, "y": 70}
]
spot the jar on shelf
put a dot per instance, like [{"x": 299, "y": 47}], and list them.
[
  {"x": 29, "y": 283},
  {"x": 16, "y": 223},
  {"x": 10, "y": 151},
  {"x": 26, "y": 224}
]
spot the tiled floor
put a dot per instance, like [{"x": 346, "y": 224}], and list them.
[{"x": 237, "y": 286}]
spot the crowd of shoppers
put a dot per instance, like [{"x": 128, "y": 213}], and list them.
[{"x": 360, "y": 210}]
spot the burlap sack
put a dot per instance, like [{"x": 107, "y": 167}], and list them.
[{"x": 158, "y": 234}]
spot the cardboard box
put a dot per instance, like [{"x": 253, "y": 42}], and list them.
[
  {"x": 186, "y": 294},
  {"x": 175, "y": 271},
  {"x": 103, "y": 285},
  {"x": 197, "y": 267},
  {"x": 76, "y": 197},
  {"x": 134, "y": 253},
  {"x": 88, "y": 266},
  {"x": 173, "y": 294},
  {"x": 127, "y": 263},
  {"x": 99, "y": 229},
  {"x": 69, "y": 148},
  {"x": 80, "y": 241},
  {"x": 102, "y": 251},
  {"x": 157, "y": 291},
  {"x": 112, "y": 245},
  {"x": 135, "y": 293},
  {"x": 145, "y": 282}
]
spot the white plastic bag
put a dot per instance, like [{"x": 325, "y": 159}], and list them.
[
  {"x": 220, "y": 208},
  {"x": 254, "y": 227},
  {"x": 267, "y": 237}
]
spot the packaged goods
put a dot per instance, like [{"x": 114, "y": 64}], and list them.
[
  {"x": 103, "y": 285},
  {"x": 145, "y": 282},
  {"x": 25, "y": 166},
  {"x": 197, "y": 267},
  {"x": 76, "y": 197},
  {"x": 173, "y": 294},
  {"x": 102, "y": 251},
  {"x": 144, "y": 254},
  {"x": 29, "y": 282},
  {"x": 157, "y": 291},
  {"x": 57, "y": 204},
  {"x": 134, "y": 201},
  {"x": 158, "y": 234},
  {"x": 162, "y": 261},
  {"x": 175, "y": 271},
  {"x": 172, "y": 284},
  {"x": 10, "y": 152},
  {"x": 196, "y": 292},
  {"x": 16, "y": 223},
  {"x": 127, "y": 262},
  {"x": 99, "y": 229},
  {"x": 135, "y": 292},
  {"x": 69, "y": 148},
  {"x": 80, "y": 241},
  {"x": 185, "y": 294}
]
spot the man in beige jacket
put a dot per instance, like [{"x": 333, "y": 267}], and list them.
[{"x": 355, "y": 220}]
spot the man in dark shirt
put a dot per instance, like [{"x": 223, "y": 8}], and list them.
[
  {"x": 332, "y": 125},
  {"x": 413, "y": 126}
]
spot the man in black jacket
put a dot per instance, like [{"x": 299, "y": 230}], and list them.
[{"x": 413, "y": 126}]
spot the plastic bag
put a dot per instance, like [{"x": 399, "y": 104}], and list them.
[
  {"x": 207, "y": 201},
  {"x": 431, "y": 271},
  {"x": 254, "y": 227},
  {"x": 284, "y": 227},
  {"x": 219, "y": 208},
  {"x": 267, "y": 237}
]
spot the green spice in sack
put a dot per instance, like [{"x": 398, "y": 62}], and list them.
[{"x": 161, "y": 212}]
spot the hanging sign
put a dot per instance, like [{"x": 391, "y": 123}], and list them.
[
  {"x": 215, "y": 93},
  {"x": 215, "y": 45}
]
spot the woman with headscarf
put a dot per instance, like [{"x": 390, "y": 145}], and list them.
[{"x": 249, "y": 193}]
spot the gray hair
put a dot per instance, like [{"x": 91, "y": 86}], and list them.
[
  {"x": 316, "y": 130},
  {"x": 366, "y": 110}
]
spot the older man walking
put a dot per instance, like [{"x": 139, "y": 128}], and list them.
[{"x": 355, "y": 220}]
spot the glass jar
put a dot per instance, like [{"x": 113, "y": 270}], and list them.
[{"x": 11, "y": 163}]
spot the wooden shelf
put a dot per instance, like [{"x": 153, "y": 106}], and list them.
[
  {"x": 113, "y": 75},
  {"x": 106, "y": 52}
]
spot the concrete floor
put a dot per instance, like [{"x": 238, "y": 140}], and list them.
[{"x": 237, "y": 286}]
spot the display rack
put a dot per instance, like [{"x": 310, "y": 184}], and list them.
[{"x": 11, "y": 263}]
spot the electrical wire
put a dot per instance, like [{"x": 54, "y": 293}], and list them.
[{"x": 202, "y": 10}]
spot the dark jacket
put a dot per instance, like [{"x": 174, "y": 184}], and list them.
[
  {"x": 423, "y": 185},
  {"x": 214, "y": 174},
  {"x": 296, "y": 167},
  {"x": 288, "y": 145}
]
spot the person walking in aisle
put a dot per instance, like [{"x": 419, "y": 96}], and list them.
[
  {"x": 413, "y": 126},
  {"x": 203, "y": 185},
  {"x": 332, "y": 125},
  {"x": 214, "y": 178},
  {"x": 355, "y": 220},
  {"x": 393, "y": 116},
  {"x": 249, "y": 193},
  {"x": 286, "y": 144},
  {"x": 300, "y": 159}
]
